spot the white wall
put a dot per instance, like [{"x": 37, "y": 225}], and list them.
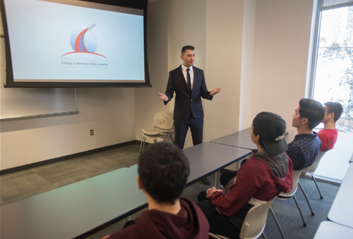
[
  {"x": 147, "y": 101},
  {"x": 107, "y": 111},
  {"x": 247, "y": 64},
  {"x": 281, "y": 56},
  {"x": 224, "y": 35}
]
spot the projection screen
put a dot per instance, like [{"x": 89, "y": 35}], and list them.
[{"x": 69, "y": 43}]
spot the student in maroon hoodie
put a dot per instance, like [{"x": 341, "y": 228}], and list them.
[
  {"x": 261, "y": 178},
  {"x": 163, "y": 170}
]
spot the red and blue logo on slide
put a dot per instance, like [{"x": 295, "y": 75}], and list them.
[{"x": 83, "y": 41}]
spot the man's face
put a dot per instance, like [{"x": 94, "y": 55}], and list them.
[
  {"x": 327, "y": 116},
  {"x": 296, "y": 121},
  {"x": 188, "y": 58}
]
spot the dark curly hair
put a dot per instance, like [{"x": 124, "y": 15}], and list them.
[{"x": 163, "y": 169}]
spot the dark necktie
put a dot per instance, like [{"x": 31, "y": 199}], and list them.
[{"x": 188, "y": 78}]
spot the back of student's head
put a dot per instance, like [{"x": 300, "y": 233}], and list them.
[
  {"x": 271, "y": 128},
  {"x": 313, "y": 110},
  {"x": 334, "y": 107},
  {"x": 163, "y": 169}
]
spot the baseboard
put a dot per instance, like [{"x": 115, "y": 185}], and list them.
[{"x": 67, "y": 157}]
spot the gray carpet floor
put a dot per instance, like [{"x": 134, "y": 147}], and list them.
[{"x": 30, "y": 182}]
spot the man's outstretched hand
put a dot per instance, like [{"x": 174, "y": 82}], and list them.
[
  {"x": 215, "y": 91},
  {"x": 163, "y": 97}
]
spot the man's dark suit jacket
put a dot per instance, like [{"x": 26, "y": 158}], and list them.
[{"x": 186, "y": 104}]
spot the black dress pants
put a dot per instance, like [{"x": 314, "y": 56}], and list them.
[
  {"x": 181, "y": 128},
  {"x": 227, "y": 176}
]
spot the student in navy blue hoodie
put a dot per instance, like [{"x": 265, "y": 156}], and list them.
[{"x": 163, "y": 170}]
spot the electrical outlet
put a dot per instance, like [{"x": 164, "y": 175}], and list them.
[{"x": 91, "y": 132}]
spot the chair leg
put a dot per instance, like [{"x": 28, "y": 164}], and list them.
[
  {"x": 312, "y": 212},
  {"x": 317, "y": 186},
  {"x": 279, "y": 226},
  {"x": 211, "y": 235},
  {"x": 263, "y": 235},
  {"x": 127, "y": 219},
  {"x": 142, "y": 143},
  {"x": 171, "y": 138},
  {"x": 216, "y": 178},
  {"x": 300, "y": 211}
]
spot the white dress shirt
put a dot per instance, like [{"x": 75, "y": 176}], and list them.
[{"x": 184, "y": 69}]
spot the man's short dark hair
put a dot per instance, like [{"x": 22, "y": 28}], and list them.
[
  {"x": 313, "y": 110},
  {"x": 163, "y": 169},
  {"x": 334, "y": 107},
  {"x": 188, "y": 47}
]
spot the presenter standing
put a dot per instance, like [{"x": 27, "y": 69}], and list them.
[{"x": 189, "y": 85}]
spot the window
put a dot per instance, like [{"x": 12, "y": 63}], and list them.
[{"x": 332, "y": 73}]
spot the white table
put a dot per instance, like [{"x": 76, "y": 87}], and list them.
[
  {"x": 330, "y": 230},
  {"x": 341, "y": 211}
]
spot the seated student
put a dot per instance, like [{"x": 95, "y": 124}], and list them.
[
  {"x": 163, "y": 170},
  {"x": 306, "y": 145},
  {"x": 328, "y": 135},
  {"x": 261, "y": 178}
]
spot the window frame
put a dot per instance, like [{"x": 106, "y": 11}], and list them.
[{"x": 318, "y": 10}]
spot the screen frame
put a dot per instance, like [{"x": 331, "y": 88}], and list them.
[{"x": 137, "y": 4}]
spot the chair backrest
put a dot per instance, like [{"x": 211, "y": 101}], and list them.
[
  {"x": 164, "y": 120},
  {"x": 313, "y": 167},
  {"x": 255, "y": 221},
  {"x": 296, "y": 176}
]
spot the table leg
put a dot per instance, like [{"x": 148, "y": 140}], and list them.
[{"x": 216, "y": 180}]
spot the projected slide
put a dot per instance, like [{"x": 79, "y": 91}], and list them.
[{"x": 62, "y": 42}]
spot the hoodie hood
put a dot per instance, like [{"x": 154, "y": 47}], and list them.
[
  {"x": 281, "y": 168},
  {"x": 190, "y": 222}
]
